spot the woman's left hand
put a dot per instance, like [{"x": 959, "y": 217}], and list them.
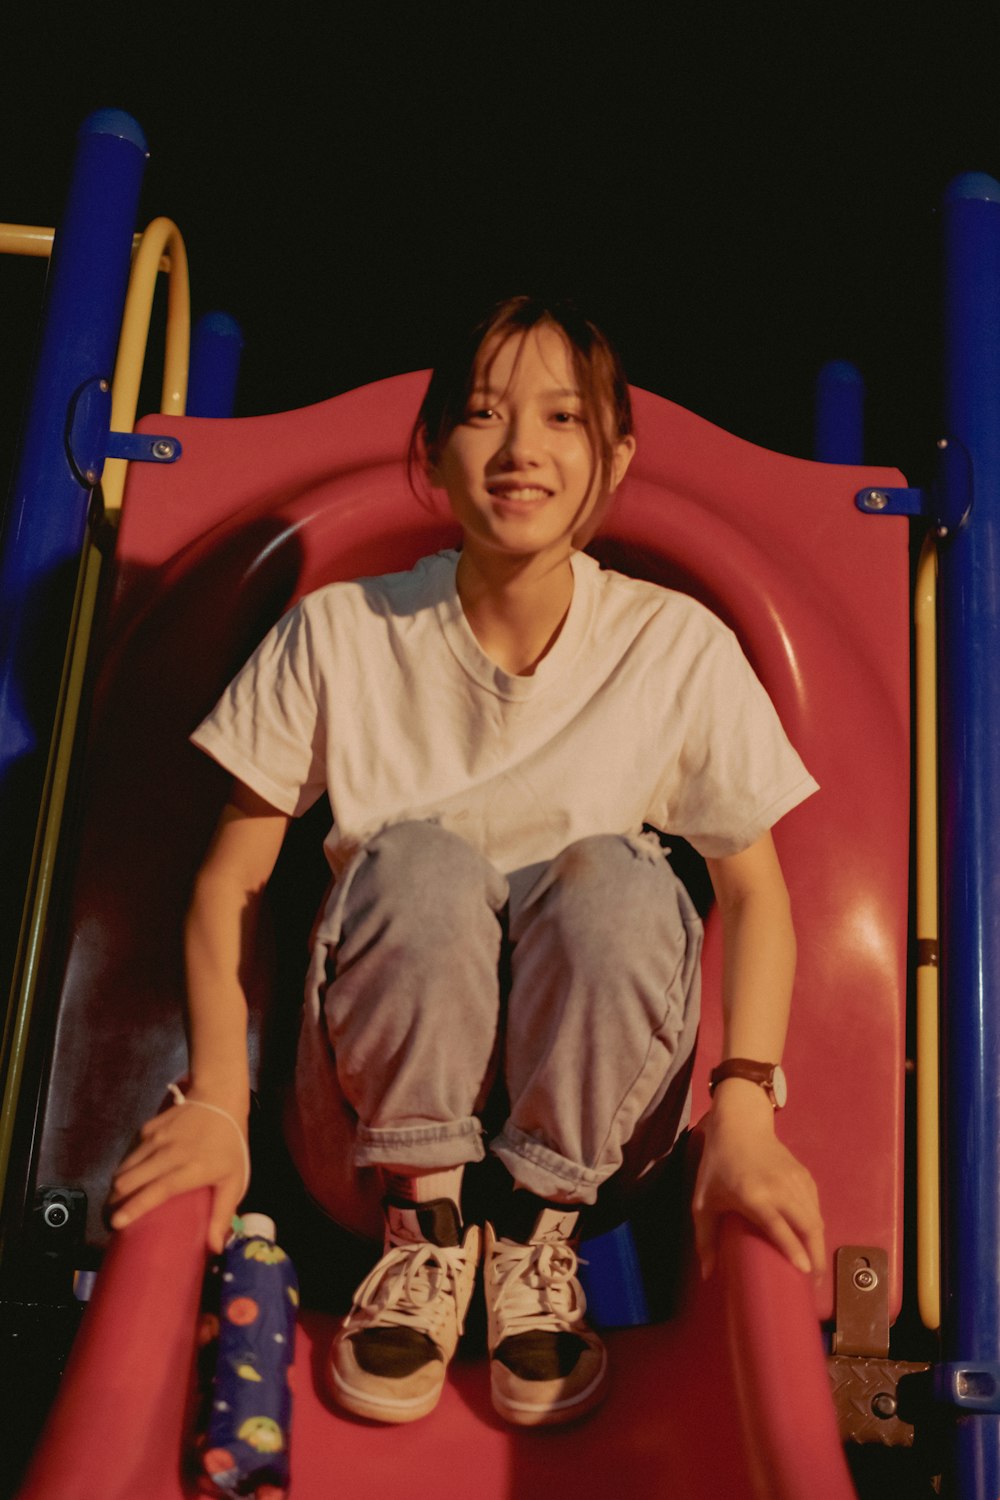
[{"x": 745, "y": 1169}]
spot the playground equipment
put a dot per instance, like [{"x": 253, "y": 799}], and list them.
[{"x": 219, "y": 533}]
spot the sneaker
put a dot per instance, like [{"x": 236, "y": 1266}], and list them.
[
  {"x": 546, "y": 1365},
  {"x": 389, "y": 1359}
]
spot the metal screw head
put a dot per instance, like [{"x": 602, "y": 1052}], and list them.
[
  {"x": 56, "y": 1215},
  {"x": 163, "y": 448},
  {"x": 876, "y": 500},
  {"x": 865, "y": 1279},
  {"x": 942, "y": 442},
  {"x": 91, "y": 476},
  {"x": 105, "y": 387},
  {"x": 884, "y": 1405}
]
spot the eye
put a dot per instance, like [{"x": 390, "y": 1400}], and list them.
[
  {"x": 481, "y": 414},
  {"x": 569, "y": 419}
]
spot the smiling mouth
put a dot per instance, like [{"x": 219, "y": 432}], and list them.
[{"x": 518, "y": 493}]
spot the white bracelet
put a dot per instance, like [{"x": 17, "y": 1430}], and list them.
[{"x": 179, "y": 1097}]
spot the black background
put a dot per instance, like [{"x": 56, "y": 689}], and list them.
[{"x": 737, "y": 192}]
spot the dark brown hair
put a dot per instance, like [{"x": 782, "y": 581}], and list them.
[{"x": 603, "y": 387}]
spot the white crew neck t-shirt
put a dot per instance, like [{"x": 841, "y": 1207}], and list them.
[{"x": 644, "y": 711}]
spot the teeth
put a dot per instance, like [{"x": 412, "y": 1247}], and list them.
[{"x": 504, "y": 492}]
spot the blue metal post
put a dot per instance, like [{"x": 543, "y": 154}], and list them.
[
  {"x": 839, "y": 433},
  {"x": 47, "y": 510},
  {"x": 216, "y": 348},
  {"x": 970, "y": 828}
]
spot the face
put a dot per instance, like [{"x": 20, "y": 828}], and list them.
[{"x": 521, "y": 472}]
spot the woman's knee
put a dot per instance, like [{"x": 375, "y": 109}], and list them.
[
  {"x": 429, "y": 878},
  {"x": 599, "y": 860},
  {"x": 609, "y": 892}
]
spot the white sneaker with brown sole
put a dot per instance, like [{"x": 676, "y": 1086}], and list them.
[
  {"x": 546, "y": 1365},
  {"x": 389, "y": 1360}
]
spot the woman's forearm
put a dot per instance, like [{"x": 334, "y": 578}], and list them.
[
  {"x": 758, "y": 972},
  {"x": 218, "y": 935},
  {"x": 758, "y": 967}
]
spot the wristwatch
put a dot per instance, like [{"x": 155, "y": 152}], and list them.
[{"x": 770, "y": 1077}]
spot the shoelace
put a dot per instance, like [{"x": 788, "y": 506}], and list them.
[
  {"x": 536, "y": 1288},
  {"x": 413, "y": 1284}
]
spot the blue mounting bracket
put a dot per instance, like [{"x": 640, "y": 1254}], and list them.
[
  {"x": 89, "y": 439},
  {"x": 892, "y": 502},
  {"x": 947, "y": 504},
  {"x": 970, "y": 1387}
]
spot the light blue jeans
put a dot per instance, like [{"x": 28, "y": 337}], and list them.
[{"x": 577, "y": 981}]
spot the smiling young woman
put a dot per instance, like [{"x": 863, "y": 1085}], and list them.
[{"x": 455, "y": 715}]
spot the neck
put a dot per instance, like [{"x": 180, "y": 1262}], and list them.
[{"x": 515, "y": 607}]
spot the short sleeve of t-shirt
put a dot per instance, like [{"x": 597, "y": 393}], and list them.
[
  {"x": 738, "y": 774},
  {"x": 269, "y": 726}
]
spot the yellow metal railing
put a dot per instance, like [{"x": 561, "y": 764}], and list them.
[
  {"x": 26, "y": 239},
  {"x": 161, "y": 243},
  {"x": 928, "y": 1132},
  {"x": 159, "y": 248},
  {"x": 36, "y": 241}
]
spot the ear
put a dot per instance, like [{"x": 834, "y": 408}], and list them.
[{"x": 621, "y": 458}]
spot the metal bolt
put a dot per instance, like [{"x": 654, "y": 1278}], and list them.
[
  {"x": 942, "y": 442},
  {"x": 163, "y": 448},
  {"x": 56, "y": 1214},
  {"x": 876, "y": 500},
  {"x": 865, "y": 1279},
  {"x": 91, "y": 476},
  {"x": 104, "y": 386},
  {"x": 884, "y": 1405}
]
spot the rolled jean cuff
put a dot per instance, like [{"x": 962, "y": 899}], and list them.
[
  {"x": 448, "y": 1145},
  {"x": 545, "y": 1172}
]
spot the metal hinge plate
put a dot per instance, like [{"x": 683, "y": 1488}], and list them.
[
  {"x": 947, "y": 504},
  {"x": 877, "y": 1398},
  {"x": 89, "y": 439},
  {"x": 861, "y": 1305}
]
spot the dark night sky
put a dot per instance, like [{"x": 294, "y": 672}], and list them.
[{"x": 736, "y": 195}]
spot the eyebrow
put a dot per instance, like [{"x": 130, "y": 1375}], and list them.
[{"x": 555, "y": 392}]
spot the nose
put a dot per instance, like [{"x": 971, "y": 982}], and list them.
[{"x": 521, "y": 443}]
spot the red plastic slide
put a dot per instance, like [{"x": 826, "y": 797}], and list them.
[
  {"x": 728, "y": 1398},
  {"x": 691, "y": 1412}
]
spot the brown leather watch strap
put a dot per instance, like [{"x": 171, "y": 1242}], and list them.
[{"x": 769, "y": 1076}]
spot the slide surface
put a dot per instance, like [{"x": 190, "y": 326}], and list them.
[{"x": 692, "y": 1412}]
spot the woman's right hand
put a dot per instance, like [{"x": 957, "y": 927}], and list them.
[{"x": 183, "y": 1148}]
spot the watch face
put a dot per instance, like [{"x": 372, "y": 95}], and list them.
[{"x": 779, "y": 1084}]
